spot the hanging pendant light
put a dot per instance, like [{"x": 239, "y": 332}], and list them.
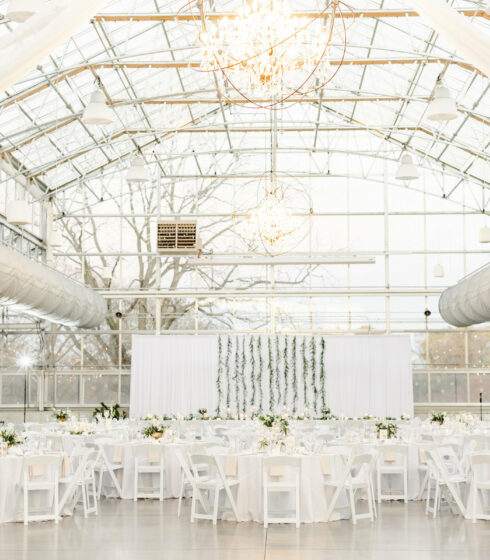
[
  {"x": 21, "y": 10},
  {"x": 19, "y": 213},
  {"x": 439, "y": 271},
  {"x": 138, "y": 172},
  {"x": 484, "y": 236},
  {"x": 56, "y": 239},
  {"x": 407, "y": 171},
  {"x": 442, "y": 107},
  {"x": 97, "y": 111}
]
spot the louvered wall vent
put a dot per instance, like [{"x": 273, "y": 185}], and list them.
[{"x": 178, "y": 238}]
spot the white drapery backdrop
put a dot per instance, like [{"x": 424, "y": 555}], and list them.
[{"x": 352, "y": 375}]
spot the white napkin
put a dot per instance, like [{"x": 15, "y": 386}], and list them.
[
  {"x": 36, "y": 470},
  {"x": 389, "y": 457},
  {"x": 231, "y": 465},
  {"x": 326, "y": 464},
  {"x": 276, "y": 470},
  {"x": 117, "y": 454},
  {"x": 154, "y": 456}
]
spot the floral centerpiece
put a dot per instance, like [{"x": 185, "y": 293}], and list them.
[
  {"x": 368, "y": 417},
  {"x": 326, "y": 414},
  {"x": 10, "y": 437},
  {"x": 203, "y": 414},
  {"x": 391, "y": 429},
  {"x": 112, "y": 412},
  {"x": 154, "y": 430},
  {"x": 276, "y": 422},
  {"x": 157, "y": 418},
  {"x": 438, "y": 418},
  {"x": 62, "y": 415},
  {"x": 405, "y": 416}
]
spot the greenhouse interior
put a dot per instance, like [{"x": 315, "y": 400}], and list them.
[{"x": 245, "y": 279}]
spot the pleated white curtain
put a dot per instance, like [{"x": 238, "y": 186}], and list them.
[
  {"x": 364, "y": 374},
  {"x": 173, "y": 374},
  {"x": 369, "y": 375}
]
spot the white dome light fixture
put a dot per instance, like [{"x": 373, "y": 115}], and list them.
[
  {"x": 484, "y": 236},
  {"x": 138, "y": 172},
  {"x": 407, "y": 171},
  {"x": 19, "y": 213},
  {"x": 97, "y": 111},
  {"x": 21, "y": 10},
  {"x": 439, "y": 271},
  {"x": 442, "y": 107}
]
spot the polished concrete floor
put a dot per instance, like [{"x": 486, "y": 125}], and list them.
[{"x": 150, "y": 530}]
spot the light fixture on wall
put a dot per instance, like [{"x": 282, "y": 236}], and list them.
[
  {"x": 439, "y": 271},
  {"x": 484, "y": 236},
  {"x": 442, "y": 107},
  {"x": 97, "y": 111},
  {"x": 19, "y": 213},
  {"x": 21, "y": 10},
  {"x": 138, "y": 172},
  {"x": 407, "y": 170}
]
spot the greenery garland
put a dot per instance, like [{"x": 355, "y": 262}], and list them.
[
  {"x": 237, "y": 374},
  {"x": 218, "y": 378},
  {"x": 228, "y": 376},
  {"x": 313, "y": 373},
  {"x": 259, "y": 377},
  {"x": 305, "y": 373},
  {"x": 278, "y": 375},
  {"x": 294, "y": 380},
  {"x": 271, "y": 374},
  {"x": 244, "y": 384},
  {"x": 286, "y": 371},
  {"x": 252, "y": 372},
  {"x": 322, "y": 374}
]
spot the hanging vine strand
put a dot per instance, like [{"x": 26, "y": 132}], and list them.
[
  {"x": 218, "y": 378},
  {"x": 259, "y": 377},
  {"x": 295, "y": 380},
  {"x": 252, "y": 373},
  {"x": 322, "y": 375},
  {"x": 270, "y": 367},
  {"x": 228, "y": 374},
  {"x": 286, "y": 371},
  {"x": 313, "y": 373},
  {"x": 277, "y": 373},
  {"x": 305, "y": 373},
  {"x": 244, "y": 381}
]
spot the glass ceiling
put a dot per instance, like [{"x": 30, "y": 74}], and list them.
[{"x": 366, "y": 116}]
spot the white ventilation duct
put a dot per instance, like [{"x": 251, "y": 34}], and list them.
[
  {"x": 36, "y": 289},
  {"x": 468, "y": 302}
]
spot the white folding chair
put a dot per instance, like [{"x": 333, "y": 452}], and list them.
[
  {"x": 149, "y": 460},
  {"x": 104, "y": 466},
  {"x": 41, "y": 473},
  {"x": 82, "y": 483},
  {"x": 213, "y": 482},
  {"x": 360, "y": 478},
  {"x": 281, "y": 474},
  {"x": 446, "y": 473},
  {"x": 188, "y": 481},
  {"x": 392, "y": 460},
  {"x": 480, "y": 485}
]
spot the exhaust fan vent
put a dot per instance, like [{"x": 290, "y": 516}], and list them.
[{"x": 178, "y": 238}]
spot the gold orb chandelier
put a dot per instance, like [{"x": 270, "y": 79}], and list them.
[{"x": 267, "y": 51}]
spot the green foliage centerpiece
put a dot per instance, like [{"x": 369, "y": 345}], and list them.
[
  {"x": 112, "y": 412},
  {"x": 11, "y": 438},
  {"x": 438, "y": 418},
  {"x": 62, "y": 415},
  {"x": 390, "y": 428},
  {"x": 154, "y": 430}
]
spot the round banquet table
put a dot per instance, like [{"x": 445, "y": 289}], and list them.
[
  {"x": 314, "y": 496},
  {"x": 11, "y": 502}
]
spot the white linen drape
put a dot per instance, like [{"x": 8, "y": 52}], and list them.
[
  {"x": 364, "y": 374},
  {"x": 469, "y": 41},
  {"x": 369, "y": 375},
  {"x": 173, "y": 374}
]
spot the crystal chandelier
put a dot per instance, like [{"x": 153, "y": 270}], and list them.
[
  {"x": 270, "y": 222},
  {"x": 266, "y": 51}
]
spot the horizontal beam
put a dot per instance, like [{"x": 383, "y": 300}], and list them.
[
  {"x": 250, "y": 294},
  {"x": 281, "y": 260},
  {"x": 346, "y": 14},
  {"x": 163, "y": 65}
]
